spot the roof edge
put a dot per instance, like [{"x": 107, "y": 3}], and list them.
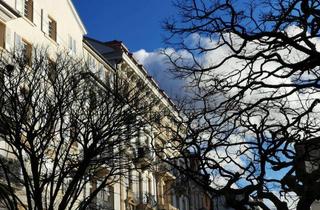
[
  {"x": 82, "y": 26},
  {"x": 85, "y": 41}
]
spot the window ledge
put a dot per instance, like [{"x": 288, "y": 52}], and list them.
[
  {"x": 51, "y": 40},
  {"x": 29, "y": 21}
]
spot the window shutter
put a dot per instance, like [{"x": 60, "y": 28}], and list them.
[
  {"x": 70, "y": 42},
  {"x": 29, "y": 53},
  {"x": 54, "y": 30},
  {"x": 102, "y": 72},
  {"x": 44, "y": 22},
  {"x": 74, "y": 46},
  {"x": 36, "y": 15},
  {"x": 20, "y": 6},
  {"x": 17, "y": 41},
  {"x": 9, "y": 40}
]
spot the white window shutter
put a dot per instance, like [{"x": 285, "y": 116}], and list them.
[
  {"x": 70, "y": 42},
  {"x": 45, "y": 22},
  {"x": 9, "y": 39},
  {"x": 74, "y": 46},
  {"x": 20, "y": 6},
  {"x": 17, "y": 41},
  {"x": 36, "y": 15},
  {"x": 102, "y": 72}
]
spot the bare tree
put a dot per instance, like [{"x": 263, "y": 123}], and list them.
[
  {"x": 64, "y": 132},
  {"x": 252, "y": 117}
]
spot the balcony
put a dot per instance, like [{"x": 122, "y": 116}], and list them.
[{"x": 7, "y": 13}]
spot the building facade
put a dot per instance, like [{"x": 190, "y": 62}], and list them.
[{"x": 56, "y": 26}]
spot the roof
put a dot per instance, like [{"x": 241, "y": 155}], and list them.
[
  {"x": 96, "y": 51},
  {"x": 117, "y": 48},
  {"x": 99, "y": 46}
]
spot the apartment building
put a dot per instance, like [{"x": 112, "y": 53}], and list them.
[
  {"x": 308, "y": 156},
  {"x": 141, "y": 189},
  {"x": 56, "y": 26}
]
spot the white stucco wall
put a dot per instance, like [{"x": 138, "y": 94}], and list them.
[{"x": 61, "y": 11}]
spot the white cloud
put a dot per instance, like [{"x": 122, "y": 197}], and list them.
[{"x": 158, "y": 66}]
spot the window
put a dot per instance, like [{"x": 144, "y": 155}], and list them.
[
  {"x": 52, "y": 29},
  {"x": 42, "y": 20},
  {"x": 27, "y": 51},
  {"x": 2, "y": 34},
  {"x": 74, "y": 132},
  {"x": 92, "y": 98},
  {"x": 28, "y": 9},
  {"x": 52, "y": 70},
  {"x": 184, "y": 204},
  {"x": 130, "y": 185},
  {"x": 150, "y": 185}
]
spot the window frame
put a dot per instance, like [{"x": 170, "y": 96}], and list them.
[
  {"x": 3, "y": 33},
  {"x": 52, "y": 28},
  {"x": 27, "y": 46},
  {"x": 28, "y": 10}
]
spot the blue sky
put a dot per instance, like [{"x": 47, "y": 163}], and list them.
[{"x": 136, "y": 22}]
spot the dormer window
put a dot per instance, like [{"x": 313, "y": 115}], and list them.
[{"x": 52, "y": 29}]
